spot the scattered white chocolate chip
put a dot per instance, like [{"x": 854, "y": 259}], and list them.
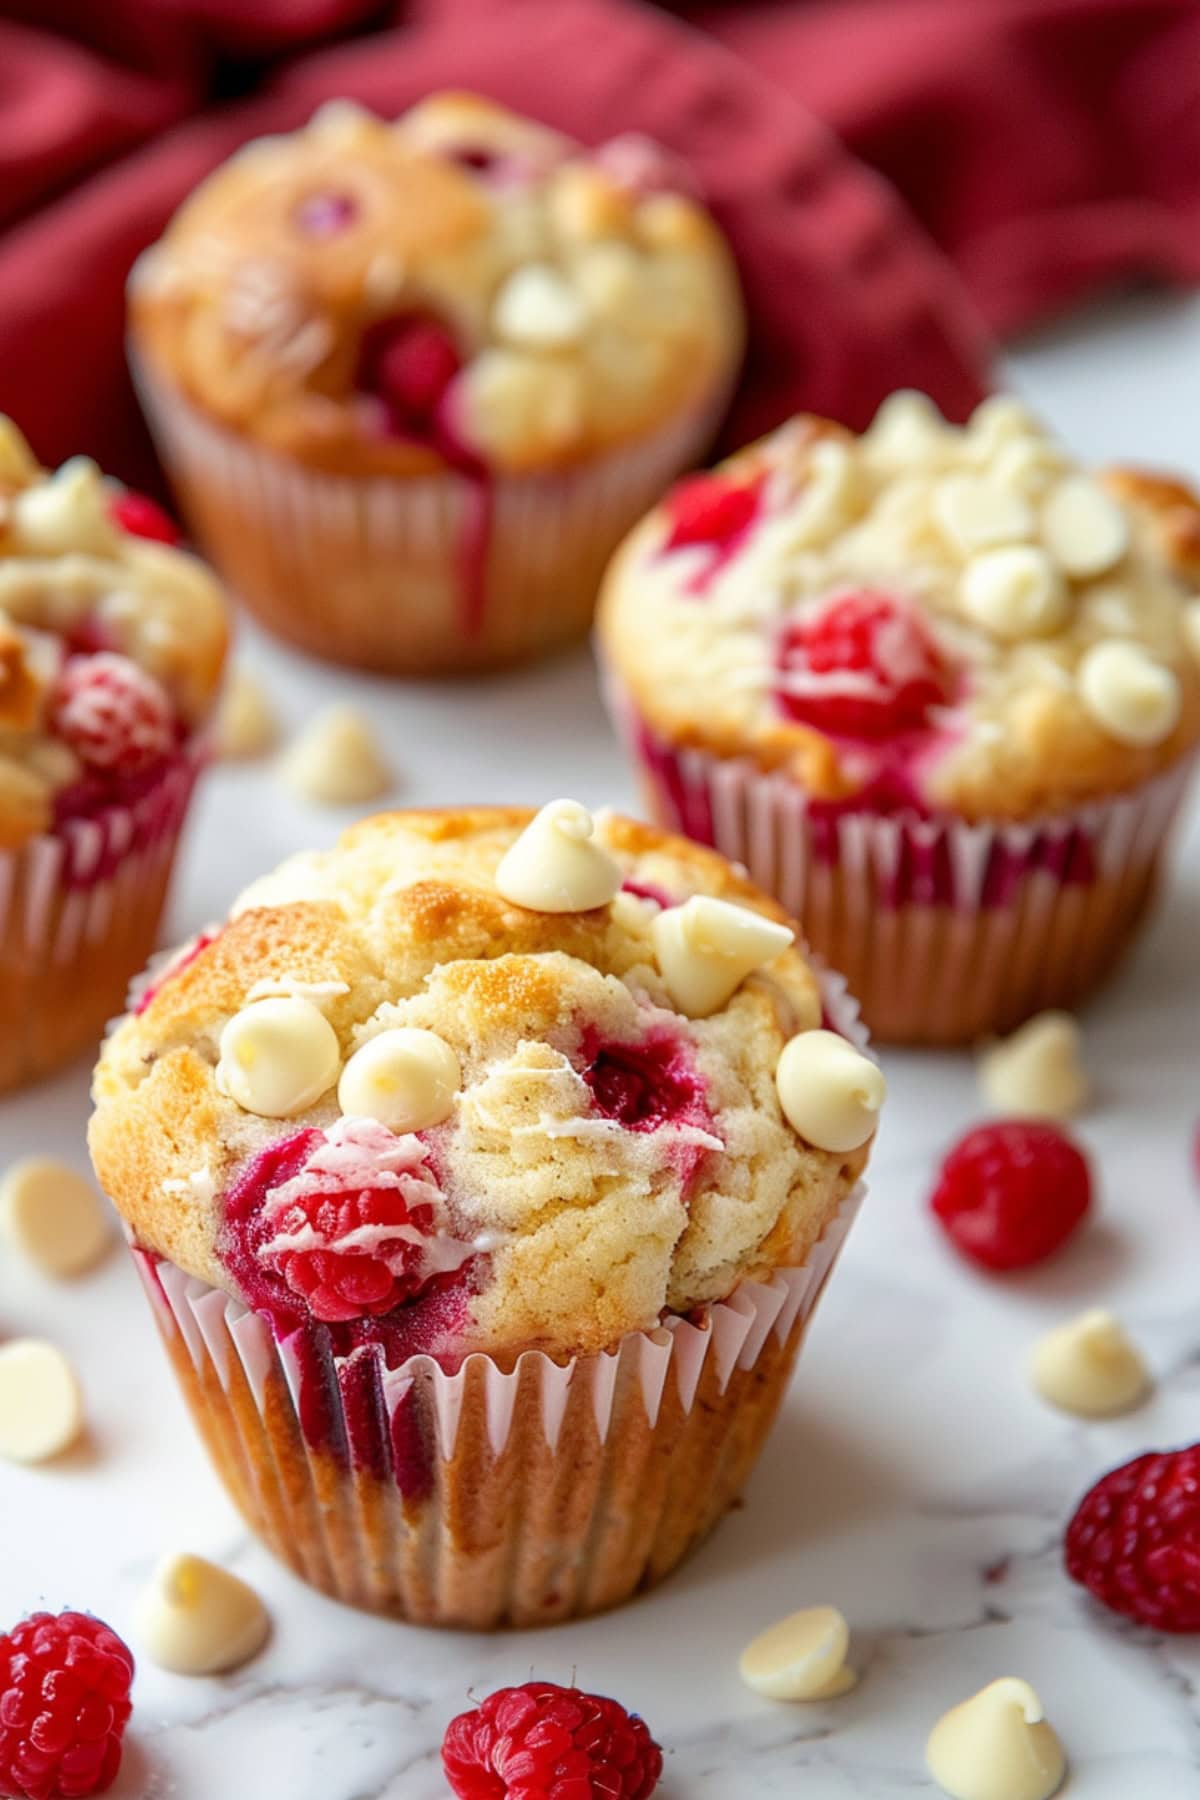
[
  {"x": 278, "y": 1057},
  {"x": 556, "y": 865},
  {"x": 830, "y": 494},
  {"x": 197, "y": 1619},
  {"x": 1090, "y": 1366},
  {"x": 706, "y": 948},
  {"x": 1000, "y": 419},
  {"x": 246, "y": 725},
  {"x": 336, "y": 761},
  {"x": 1191, "y": 627},
  {"x": 997, "y": 1745},
  {"x": 407, "y": 1079},
  {"x": 1037, "y": 1072},
  {"x": 830, "y": 1092},
  {"x": 801, "y": 1658},
  {"x": 538, "y": 310},
  {"x": 41, "y": 1407},
  {"x": 977, "y": 514},
  {"x": 1014, "y": 592},
  {"x": 67, "y": 512},
  {"x": 54, "y": 1215},
  {"x": 1129, "y": 695},
  {"x": 907, "y": 429},
  {"x": 1083, "y": 528},
  {"x": 1030, "y": 464}
]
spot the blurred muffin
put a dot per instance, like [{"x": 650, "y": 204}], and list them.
[
  {"x": 414, "y": 380},
  {"x": 530, "y": 1174},
  {"x": 111, "y": 649},
  {"x": 936, "y": 688}
]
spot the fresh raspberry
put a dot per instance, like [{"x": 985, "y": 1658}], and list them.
[
  {"x": 1011, "y": 1193},
  {"x": 543, "y": 1742},
  {"x": 408, "y": 364},
  {"x": 114, "y": 715},
  {"x": 142, "y": 517},
  {"x": 64, "y": 1706},
  {"x": 367, "y": 1251},
  {"x": 863, "y": 666},
  {"x": 711, "y": 509},
  {"x": 1135, "y": 1540}
]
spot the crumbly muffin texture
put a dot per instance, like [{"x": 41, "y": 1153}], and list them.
[
  {"x": 605, "y": 1158},
  {"x": 948, "y": 618},
  {"x": 459, "y": 285},
  {"x": 111, "y": 643}
]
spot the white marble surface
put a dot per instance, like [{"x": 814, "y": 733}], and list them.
[{"x": 914, "y": 1479}]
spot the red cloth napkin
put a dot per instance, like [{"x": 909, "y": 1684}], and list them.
[{"x": 1048, "y": 144}]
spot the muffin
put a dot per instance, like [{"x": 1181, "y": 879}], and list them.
[
  {"x": 111, "y": 648},
  {"x": 415, "y": 380},
  {"x": 935, "y": 687},
  {"x": 483, "y": 1173}
]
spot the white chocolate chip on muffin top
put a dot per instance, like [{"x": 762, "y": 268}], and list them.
[{"x": 390, "y": 1096}]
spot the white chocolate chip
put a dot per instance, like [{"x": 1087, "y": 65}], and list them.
[
  {"x": 278, "y": 1057},
  {"x": 1191, "y": 627},
  {"x": 1129, "y": 695},
  {"x": 538, "y": 310},
  {"x": 907, "y": 432},
  {"x": 54, "y": 1216},
  {"x": 246, "y": 725},
  {"x": 1029, "y": 464},
  {"x": 1000, "y": 419},
  {"x": 68, "y": 512},
  {"x": 1037, "y": 1072},
  {"x": 339, "y": 121},
  {"x": 41, "y": 1407},
  {"x": 1084, "y": 529},
  {"x": 197, "y": 1619},
  {"x": 707, "y": 947},
  {"x": 1090, "y": 1366},
  {"x": 336, "y": 761},
  {"x": 829, "y": 497},
  {"x": 1015, "y": 592},
  {"x": 556, "y": 865},
  {"x": 830, "y": 1092},
  {"x": 407, "y": 1079},
  {"x": 977, "y": 514},
  {"x": 997, "y": 1745},
  {"x": 801, "y": 1658}
]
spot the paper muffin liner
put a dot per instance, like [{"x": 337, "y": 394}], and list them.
[
  {"x": 414, "y": 575},
  {"x": 946, "y": 931},
  {"x": 79, "y": 914}
]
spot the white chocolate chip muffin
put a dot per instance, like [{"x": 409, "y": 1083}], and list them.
[
  {"x": 451, "y": 1095},
  {"x": 112, "y": 643},
  {"x": 428, "y": 338},
  {"x": 933, "y": 673}
]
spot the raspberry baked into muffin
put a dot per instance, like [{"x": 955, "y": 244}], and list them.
[
  {"x": 483, "y": 1173},
  {"x": 111, "y": 649},
  {"x": 937, "y": 688},
  {"x": 415, "y": 379}
]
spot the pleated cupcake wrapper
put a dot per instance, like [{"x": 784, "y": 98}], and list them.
[{"x": 378, "y": 570}]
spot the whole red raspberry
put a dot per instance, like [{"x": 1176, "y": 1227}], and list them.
[
  {"x": 64, "y": 1706},
  {"x": 142, "y": 517},
  {"x": 542, "y": 1742},
  {"x": 1135, "y": 1540},
  {"x": 711, "y": 509},
  {"x": 408, "y": 363},
  {"x": 114, "y": 715},
  {"x": 863, "y": 666},
  {"x": 352, "y": 1253},
  {"x": 1010, "y": 1194}
]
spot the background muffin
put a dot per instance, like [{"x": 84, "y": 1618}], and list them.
[
  {"x": 415, "y": 379},
  {"x": 427, "y": 1132},
  {"x": 937, "y": 688}
]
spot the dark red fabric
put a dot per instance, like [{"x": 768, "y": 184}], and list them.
[{"x": 1048, "y": 145}]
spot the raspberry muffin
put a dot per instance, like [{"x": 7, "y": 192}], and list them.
[
  {"x": 483, "y": 1173},
  {"x": 414, "y": 380},
  {"x": 937, "y": 688},
  {"x": 111, "y": 648}
]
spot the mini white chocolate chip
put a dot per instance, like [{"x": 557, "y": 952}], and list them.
[
  {"x": 1130, "y": 696},
  {"x": 1090, "y": 1366},
  {"x": 707, "y": 947},
  {"x": 1015, "y": 592},
  {"x": 1084, "y": 529},
  {"x": 278, "y": 1057},
  {"x": 829, "y": 497},
  {"x": 538, "y": 310},
  {"x": 68, "y": 512},
  {"x": 54, "y": 1216},
  {"x": 1000, "y": 419},
  {"x": 998, "y": 1745},
  {"x": 1037, "y": 1072},
  {"x": 906, "y": 432},
  {"x": 977, "y": 514},
  {"x": 338, "y": 121},
  {"x": 41, "y": 1407},
  {"x": 801, "y": 1658},
  {"x": 195, "y": 1618},
  {"x": 1030, "y": 464},
  {"x": 246, "y": 724},
  {"x": 336, "y": 761},
  {"x": 556, "y": 865},
  {"x": 830, "y": 1092},
  {"x": 407, "y": 1079},
  {"x": 1191, "y": 627}
]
